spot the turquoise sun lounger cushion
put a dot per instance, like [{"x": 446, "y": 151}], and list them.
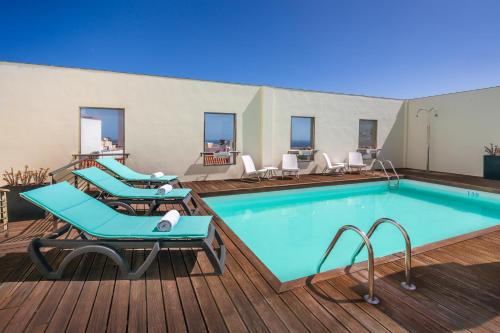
[
  {"x": 128, "y": 174},
  {"x": 97, "y": 219},
  {"x": 117, "y": 188}
]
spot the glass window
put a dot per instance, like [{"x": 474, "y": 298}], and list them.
[
  {"x": 302, "y": 133},
  {"x": 367, "y": 134},
  {"x": 220, "y": 138},
  {"x": 102, "y": 131}
]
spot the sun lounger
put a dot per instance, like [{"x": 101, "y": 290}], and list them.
[
  {"x": 103, "y": 230},
  {"x": 115, "y": 190},
  {"x": 131, "y": 176},
  {"x": 249, "y": 168},
  {"x": 337, "y": 168},
  {"x": 290, "y": 165},
  {"x": 356, "y": 162}
]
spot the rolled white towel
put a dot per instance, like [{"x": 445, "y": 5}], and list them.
[
  {"x": 157, "y": 174},
  {"x": 162, "y": 190},
  {"x": 168, "y": 221}
]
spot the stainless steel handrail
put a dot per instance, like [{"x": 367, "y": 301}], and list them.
[
  {"x": 392, "y": 168},
  {"x": 407, "y": 283},
  {"x": 381, "y": 162},
  {"x": 370, "y": 298}
]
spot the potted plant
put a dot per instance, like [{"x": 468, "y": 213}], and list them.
[
  {"x": 491, "y": 166},
  {"x": 20, "y": 181}
]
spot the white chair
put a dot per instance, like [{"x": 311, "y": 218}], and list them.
[
  {"x": 337, "y": 168},
  {"x": 356, "y": 162},
  {"x": 249, "y": 168},
  {"x": 290, "y": 165}
]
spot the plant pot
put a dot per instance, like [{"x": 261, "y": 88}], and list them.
[
  {"x": 20, "y": 209},
  {"x": 491, "y": 167}
]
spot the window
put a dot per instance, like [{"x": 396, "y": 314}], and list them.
[
  {"x": 302, "y": 133},
  {"x": 220, "y": 138},
  {"x": 302, "y": 138},
  {"x": 367, "y": 134},
  {"x": 102, "y": 131}
]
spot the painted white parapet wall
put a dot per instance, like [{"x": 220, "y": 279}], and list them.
[
  {"x": 465, "y": 122},
  {"x": 164, "y": 119}
]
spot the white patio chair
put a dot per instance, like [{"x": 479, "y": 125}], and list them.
[
  {"x": 249, "y": 168},
  {"x": 336, "y": 168},
  {"x": 290, "y": 165},
  {"x": 356, "y": 162}
]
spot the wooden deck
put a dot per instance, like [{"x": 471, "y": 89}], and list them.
[{"x": 458, "y": 289}]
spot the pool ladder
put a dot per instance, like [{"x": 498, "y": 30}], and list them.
[
  {"x": 370, "y": 297},
  {"x": 392, "y": 185}
]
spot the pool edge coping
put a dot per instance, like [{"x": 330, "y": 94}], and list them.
[{"x": 279, "y": 286}]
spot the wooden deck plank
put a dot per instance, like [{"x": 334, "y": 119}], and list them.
[
  {"x": 389, "y": 276},
  {"x": 329, "y": 321},
  {"x": 353, "y": 298},
  {"x": 190, "y": 306},
  {"x": 446, "y": 307},
  {"x": 452, "y": 295},
  {"x": 156, "y": 320},
  {"x": 43, "y": 313},
  {"x": 334, "y": 295},
  {"x": 228, "y": 310},
  {"x": 263, "y": 308},
  {"x": 209, "y": 309},
  {"x": 64, "y": 311},
  {"x": 305, "y": 315},
  {"x": 118, "y": 314},
  {"x": 171, "y": 298},
  {"x": 137, "y": 314},
  {"x": 100, "y": 312},
  {"x": 21, "y": 291},
  {"x": 85, "y": 303}
]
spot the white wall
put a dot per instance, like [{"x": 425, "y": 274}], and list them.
[
  {"x": 337, "y": 124},
  {"x": 466, "y": 122},
  {"x": 39, "y": 113}
]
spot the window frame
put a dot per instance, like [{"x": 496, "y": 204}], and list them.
[
  {"x": 313, "y": 132},
  {"x": 232, "y": 158},
  {"x": 100, "y": 108},
  {"x": 376, "y": 133}
]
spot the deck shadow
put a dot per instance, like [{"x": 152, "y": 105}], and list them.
[{"x": 471, "y": 292}]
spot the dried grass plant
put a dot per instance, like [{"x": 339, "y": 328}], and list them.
[
  {"x": 25, "y": 176},
  {"x": 492, "y": 150}
]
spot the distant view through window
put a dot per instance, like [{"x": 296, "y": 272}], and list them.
[
  {"x": 102, "y": 131},
  {"x": 302, "y": 133},
  {"x": 219, "y": 140},
  {"x": 367, "y": 133}
]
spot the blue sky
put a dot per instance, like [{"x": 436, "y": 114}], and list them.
[{"x": 396, "y": 48}]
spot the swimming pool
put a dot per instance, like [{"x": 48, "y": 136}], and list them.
[{"x": 289, "y": 230}]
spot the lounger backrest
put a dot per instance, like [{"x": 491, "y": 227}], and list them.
[
  {"x": 116, "y": 167},
  {"x": 290, "y": 161},
  {"x": 103, "y": 180},
  {"x": 72, "y": 205},
  {"x": 248, "y": 164},
  {"x": 327, "y": 160},
  {"x": 355, "y": 158}
]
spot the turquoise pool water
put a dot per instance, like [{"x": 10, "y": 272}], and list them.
[{"x": 289, "y": 230}]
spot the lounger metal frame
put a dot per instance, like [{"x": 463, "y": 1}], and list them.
[
  {"x": 113, "y": 249},
  {"x": 152, "y": 203}
]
